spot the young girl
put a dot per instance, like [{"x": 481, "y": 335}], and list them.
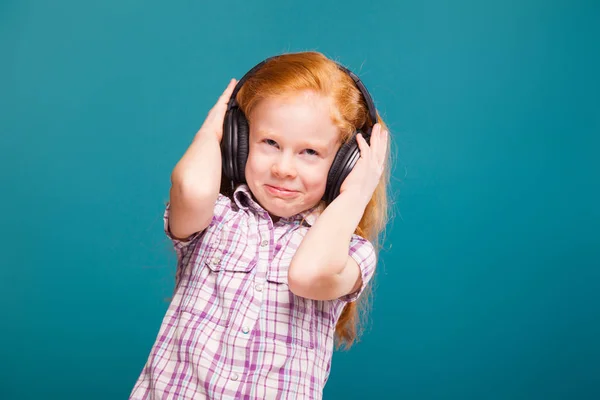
[{"x": 269, "y": 268}]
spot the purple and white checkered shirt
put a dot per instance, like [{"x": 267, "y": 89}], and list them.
[{"x": 234, "y": 330}]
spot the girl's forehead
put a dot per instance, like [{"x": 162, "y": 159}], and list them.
[
  {"x": 306, "y": 104},
  {"x": 302, "y": 117}
]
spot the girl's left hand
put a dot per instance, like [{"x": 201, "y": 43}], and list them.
[{"x": 364, "y": 177}]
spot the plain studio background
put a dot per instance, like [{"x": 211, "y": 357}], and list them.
[{"x": 489, "y": 287}]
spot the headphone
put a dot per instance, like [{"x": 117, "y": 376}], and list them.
[{"x": 236, "y": 132}]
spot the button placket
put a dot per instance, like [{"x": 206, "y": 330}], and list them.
[
  {"x": 264, "y": 256},
  {"x": 224, "y": 232}
]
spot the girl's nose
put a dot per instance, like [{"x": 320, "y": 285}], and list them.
[{"x": 283, "y": 167}]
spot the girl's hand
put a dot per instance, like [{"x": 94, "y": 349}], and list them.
[
  {"x": 213, "y": 124},
  {"x": 364, "y": 177}
]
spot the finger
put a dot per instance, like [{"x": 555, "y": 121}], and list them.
[
  {"x": 381, "y": 150},
  {"x": 224, "y": 99},
  {"x": 362, "y": 145},
  {"x": 375, "y": 136},
  {"x": 217, "y": 113},
  {"x": 225, "y": 96},
  {"x": 376, "y": 141},
  {"x": 373, "y": 141}
]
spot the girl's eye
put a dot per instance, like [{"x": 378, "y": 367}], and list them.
[{"x": 271, "y": 142}]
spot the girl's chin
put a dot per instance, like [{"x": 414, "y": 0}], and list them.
[
  {"x": 275, "y": 208},
  {"x": 280, "y": 212}
]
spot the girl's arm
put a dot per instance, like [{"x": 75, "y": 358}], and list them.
[
  {"x": 321, "y": 268},
  {"x": 195, "y": 180}
]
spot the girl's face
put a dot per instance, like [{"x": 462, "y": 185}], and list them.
[{"x": 292, "y": 144}]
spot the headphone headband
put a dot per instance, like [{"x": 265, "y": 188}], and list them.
[{"x": 361, "y": 87}]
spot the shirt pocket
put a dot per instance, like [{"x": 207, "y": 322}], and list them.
[
  {"x": 218, "y": 285},
  {"x": 295, "y": 323}
]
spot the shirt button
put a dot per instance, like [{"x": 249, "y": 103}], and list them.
[
  {"x": 264, "y": 243},
  {"x": 258, "y": 287},
  {"x": 216, "y": 260},
  {"x": 234, "y": 377},
  {"x": 245, "y": 329}
]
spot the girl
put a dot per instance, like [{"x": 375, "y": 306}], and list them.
[{"x": 269, "y": 268}]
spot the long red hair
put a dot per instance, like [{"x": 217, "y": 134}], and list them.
[{"x": 293, "y": 72}]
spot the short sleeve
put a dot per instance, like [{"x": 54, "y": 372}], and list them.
[
  {"x": 183, "y": 248},
  {"x": 363, "y": 252}
]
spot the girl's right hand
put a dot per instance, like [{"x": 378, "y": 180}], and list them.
[{"x": 213, "y": 124}]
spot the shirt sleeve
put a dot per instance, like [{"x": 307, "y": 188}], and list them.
[
  {"x": 181, "y": 246},
  {"x": 363, "y": 252},
  {"x": 184, "y": 248}
]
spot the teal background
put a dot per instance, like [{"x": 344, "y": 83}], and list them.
[{"x": 489, "y": 285}]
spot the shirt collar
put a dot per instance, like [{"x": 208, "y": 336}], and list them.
[{"x": 245, "y": 200}]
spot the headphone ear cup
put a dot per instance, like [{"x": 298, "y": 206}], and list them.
[
  {"x": 334, "y": 170},
  {"x": 227, "y": 145},
  {"x": 243, "y": 134},
  {"x": 342, "y": 165}
]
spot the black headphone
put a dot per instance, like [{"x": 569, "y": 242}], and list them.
[{"x": 236, "y": 131}]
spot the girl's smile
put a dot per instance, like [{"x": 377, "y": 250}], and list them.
[{"x": 280, "y": 192}]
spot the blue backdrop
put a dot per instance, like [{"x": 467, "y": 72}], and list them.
[{"x": 489, "y": 285}]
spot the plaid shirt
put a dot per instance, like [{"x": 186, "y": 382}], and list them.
[{"x": 234, "y": 330}]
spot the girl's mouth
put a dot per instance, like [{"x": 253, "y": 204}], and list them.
[{"x": 280, "y": 192}]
